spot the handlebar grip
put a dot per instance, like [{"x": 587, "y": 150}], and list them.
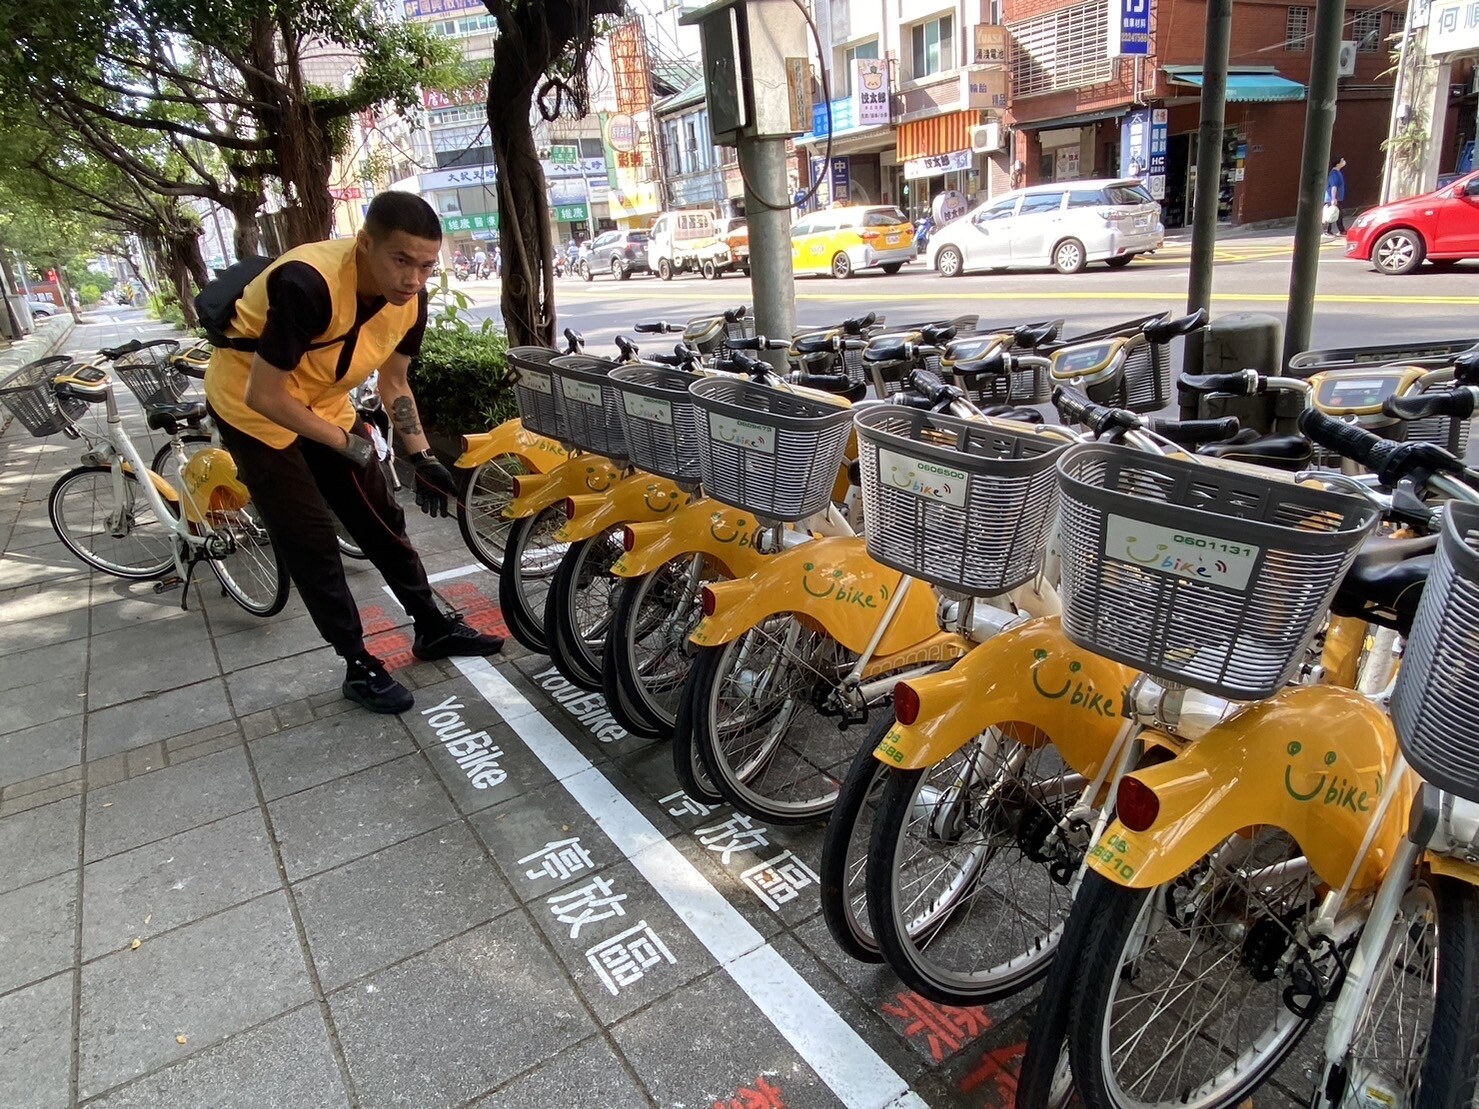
[
  {"x": 852, "y": 344},
  {"x": 1347, "y": 440},
  {"x": 1457, "y": 404},
  {"x": 1243, "y": 383},
  {"x": 925, "y": 381},
  {"x": 627, "y": 347},
  {"x": 129, "y": 347},
  {"x": 650, "y": 327},
  {"x": 1073, "y": 407},
  {"x": 824, "y": 383},
  {"x": 735, "y": 314},
  {"x": 759, "y": 342},
  {"x": 1466, "y": 367},
  {"x": 1191, "y": 433},
  {"x": 677, "y": 360}
]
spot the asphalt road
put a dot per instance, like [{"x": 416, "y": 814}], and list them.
[{"x": 1355, "y": 306}]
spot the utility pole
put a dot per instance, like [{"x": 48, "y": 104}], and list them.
[
  {"x": 1209, "y": 160},
  {"x": 1314, "y": 174},
  {"x": 763, "y": 162}
]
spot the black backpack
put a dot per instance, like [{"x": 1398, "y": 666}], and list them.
[{"x": 215, "y": 305}]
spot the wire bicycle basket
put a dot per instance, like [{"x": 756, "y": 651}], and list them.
[
  {"x": 1433, "y": 704},
  {"x": 590, "y": 407},
  {"x": 768, "y": 451},
  {"x": 28, "y": 395},
  {"x": 659, "y": 420},
  {"x": 151, "y": 376},
  {"x": 964, "y": 504},
  {"x": 535, "y": 392},
  {"x": 1209, "y": 575}
]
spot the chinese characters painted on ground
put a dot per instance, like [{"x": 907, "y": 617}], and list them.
[{"x": 627, "y": 956}]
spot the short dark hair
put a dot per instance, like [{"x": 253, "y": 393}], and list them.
[
  {"x": 401, "y": 211},
  {"x": 1335, "y": 161}
]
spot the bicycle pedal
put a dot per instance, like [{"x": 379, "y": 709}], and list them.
[{"x": 164, "y": 585}]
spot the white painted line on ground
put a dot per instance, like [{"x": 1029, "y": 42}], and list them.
[
  {"x": 830, "y": 1046},
  {"x": 458, "y": 572}
]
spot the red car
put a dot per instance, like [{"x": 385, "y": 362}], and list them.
[{"x": 1441, "y": 226}]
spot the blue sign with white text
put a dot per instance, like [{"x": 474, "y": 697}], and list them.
[{"x": 1129, "y": 27}]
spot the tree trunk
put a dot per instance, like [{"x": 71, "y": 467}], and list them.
[
  {"x": 245, "y": 234},
  {"x": 66, "y": 292}
]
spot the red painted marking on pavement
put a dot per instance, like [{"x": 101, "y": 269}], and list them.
[
  {"x": 946, "y": 1029},
  {"x": 762, "y": 1096},
  {"x": 392, "y": 648},
  {"x": 390, "y": 641},
  {"x": 376, "y": 620},
  {"x": 997, "y": 1073}
]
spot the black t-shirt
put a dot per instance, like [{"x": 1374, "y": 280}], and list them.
[{"x": 299, "y": 310}]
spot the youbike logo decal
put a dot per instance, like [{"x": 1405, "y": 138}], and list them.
[
  {"x": 924, "y": 479},
  {"x": 1184, "y": 554},
  {"x": 836, "y": 585},
  {"x": 651, "y": 409},
  {"x": 658, "y": 499},
  {"x": 535, "y": 442},
  {"x": 1080, "y": 693},
  {"x": 731, "y": 529},
  {"x": 582, "y": 392},
  {"x": 534, "y": 381},
  {"x": 1330, "y": 788},
  {"x": 474, "y": 751},
  {"x": 588, "y": 708},
  {"x": 598, "y": 478},
  {"x": 742, "y": 433}
]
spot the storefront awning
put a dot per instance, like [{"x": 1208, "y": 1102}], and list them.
[
  {"x": 941, "y": 134},
  {"x": 1078, "y": 120},
  {"x": 1248, "y": 87}
]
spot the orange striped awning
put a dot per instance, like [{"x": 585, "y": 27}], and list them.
[{"x": 942, "y": 134}]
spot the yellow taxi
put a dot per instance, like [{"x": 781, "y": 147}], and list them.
[{"x": 841, "y": 241}]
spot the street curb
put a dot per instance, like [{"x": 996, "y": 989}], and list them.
[{"x": 45, "y": 340}]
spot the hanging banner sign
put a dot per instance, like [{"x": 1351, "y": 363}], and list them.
[{"x": 870, "y": 92}]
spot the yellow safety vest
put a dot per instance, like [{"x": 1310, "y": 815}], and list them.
[{"x": 315, "y": 379}]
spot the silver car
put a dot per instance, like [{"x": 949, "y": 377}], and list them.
[{"x": 1065, "y": 225}]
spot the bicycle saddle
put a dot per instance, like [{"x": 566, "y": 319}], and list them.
[
  {"x": 1287, "y": 452},
  {"x": 168, "y": 417},
  {"x": 1386, "y": 580},
  {"x": 1163, "y": 331},
  {"x": 1029, "y": 336}
]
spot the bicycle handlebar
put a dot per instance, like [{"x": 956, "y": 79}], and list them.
[
  {"x": 1243, "y": 383},
  {"x": 1456, "y": 404},
  {"x": 1389, "y": 459},
  {"x": 736, "y": 314},
  {"x": 759, "y": 342},
  {"x": 656, "y": 327},
  {"x": 1193, "y": 433}
]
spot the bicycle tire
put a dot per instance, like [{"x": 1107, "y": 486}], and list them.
[
  {"x": 989, "y": 926},
  {"x": 164, "y": 456},
  {"x": 627, "y": 714},
  {"x": 1115, "y": 941},
  {"x": 521, "y": 594},
  {"x": 792, "y": 775},
  {"x": 577, "y": 614},
  {"x": 1443, "y": 1075},
  {"x": 258, "y": 584},
  {"x": 646, "y": 618},
  {"x": 486, "y": 493},
  {"x": 843, "y": 869},
  {"x": 156, "y": 557},
  {"x": 688, "y": 767},
  {"x": 347, "y": 546}
]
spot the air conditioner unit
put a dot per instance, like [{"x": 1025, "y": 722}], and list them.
[
  {"x": 986, "y": 138},
  {"x": 1347, "y": 66}
]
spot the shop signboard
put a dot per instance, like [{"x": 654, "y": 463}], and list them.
[
  {"x": 840, "y": 177},
  {"x": 1128, "y": 28},
  {"x": 1144, "y": 135},
  {"x": 565, "y": 154},
  {"x": 571, "y": 213},
  {"x": 870, "y": 92},
  {"x": 948, "y": 206},
  {"x": 457, "y": 178},
  {"x": 984, "y": 87},
  {"x": 1453, "y": 27},
  {"x": 823, "y": 182},
  {"x": 421, "y": 9},
  {"x": 935, "y": 164},
  {"x": 991, "y": 44},
  {"x": 480, "y": 221}
]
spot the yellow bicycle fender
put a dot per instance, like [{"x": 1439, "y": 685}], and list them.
[
  {"x": 539, "y": 453},
  {"x": 1030, "y": 674},
  {"x": 583, "y": 473},
  {"x": 1450, "y": 867},
  {"x": 830, "y": 582},
  {"x": 1311, "y": 760},
  {"x": 638, "y": 497},
  {"x": 722, "y": 534},
  {"x": 166, "y": 490}
]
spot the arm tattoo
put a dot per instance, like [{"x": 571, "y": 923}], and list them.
[{"x": 403, "y": 411}]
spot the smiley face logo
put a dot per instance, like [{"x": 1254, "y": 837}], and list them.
[
  {"x": 1144, "y": 560},
  {"x": 597, "y": 479},
  {"x": 1039, "y": 657},
  {"x": 723, "y": 530},
  {"x": 1294, "y": 749},
  {"x": 658, "y": 499},
  {"x": 872, "y": 77},
  {"x": 820, "y": 583}
]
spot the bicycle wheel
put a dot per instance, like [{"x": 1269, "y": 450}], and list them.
[
  {"x": 970, "y": 868},
  {"x": 489, "y": 490},
  {"x": 531, "y": 558},
  {"x": 844, "y": 868},
  {"x": 347, "y": 546},
  {"x": 577, "y": 611},
  {"x": 1417, "y": 1040},
  {"x": 648, "y": 655},
  {"x": 1179, "y": 997},
  {"x": 165, "y": 464},
  {"x": 123, "y": 536},
  {"x": 250, "y": 568},
  {"x": 764, "y": 721},
  {"x": 689, "y": 768}
]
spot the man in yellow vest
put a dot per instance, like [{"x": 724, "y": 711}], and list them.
[{"x": 307, "y": 330}]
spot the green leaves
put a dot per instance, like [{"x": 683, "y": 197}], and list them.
[{"x": 461, "y": 378}]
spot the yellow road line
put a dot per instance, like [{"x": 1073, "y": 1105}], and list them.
[{"x": 956, "y": 294}]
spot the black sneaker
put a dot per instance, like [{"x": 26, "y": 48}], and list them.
[
  {"x": 457, "y": 638},
  {"x": 367, "y": 682}
]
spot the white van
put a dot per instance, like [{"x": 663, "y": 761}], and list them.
[{"x": 680, "y": 241}]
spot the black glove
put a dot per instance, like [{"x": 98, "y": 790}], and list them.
[
  {"x": 434, "y": 484},
  {"x": 357, "y": 449}
]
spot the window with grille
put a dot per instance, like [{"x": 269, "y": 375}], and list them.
[
  {"x": 849, "y": 74},
  {"x": 1366, "y": 30},
  {"x": 1399, "y": 23},
  {"x": 1064, "y": 49},
  {"x": 1297, "y": 30},
  {"x": 933, "y": 46}
]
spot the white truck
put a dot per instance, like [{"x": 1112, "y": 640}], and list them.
[{"x": 680, "y": 243}]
